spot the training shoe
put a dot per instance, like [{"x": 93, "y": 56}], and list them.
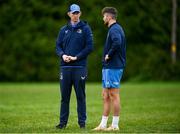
[
  {"x": 82, "y": 126},
  {"x": 99, "y": 128},
  {"x": 61, "y": 126},
  {"x": 111, "y": 128}
]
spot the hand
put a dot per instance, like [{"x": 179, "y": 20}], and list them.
[
  {"x": 107, "y": 57},
  {"x": 72, "y": 58},
  {"x": 66, "y": 58}
]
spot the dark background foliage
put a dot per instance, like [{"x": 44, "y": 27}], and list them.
[{"x": 28, "y": 30}]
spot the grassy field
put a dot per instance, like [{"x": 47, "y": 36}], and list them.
[{"x": 146, "y": 107}]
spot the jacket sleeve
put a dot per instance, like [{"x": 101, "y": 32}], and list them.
[
  {"x": 88, "y": 44},
  {"x": 59, "y": 41},
  {"x": 116, "y": 38}
]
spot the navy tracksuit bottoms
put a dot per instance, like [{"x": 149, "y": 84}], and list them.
[{"x": 73, "y": 76}]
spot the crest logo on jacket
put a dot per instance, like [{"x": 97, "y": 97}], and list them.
[
  {"x": 79, "y": 31},
  {"x": 66, "y": 31}
]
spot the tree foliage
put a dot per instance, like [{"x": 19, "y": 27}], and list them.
[{"x": 28, "y": 30}]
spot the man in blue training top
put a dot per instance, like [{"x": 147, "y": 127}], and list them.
[
  {"x": 74, "y": 43},
  {"x": 114, "y": 59}
]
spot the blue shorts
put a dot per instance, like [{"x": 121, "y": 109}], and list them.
[{"x": 111, "y": 78}]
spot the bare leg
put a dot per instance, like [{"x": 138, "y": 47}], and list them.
[
  {"x": 106, "y": 110},
  {"x": 114, "y": 95},
  {"x": 106, "y": 102}
]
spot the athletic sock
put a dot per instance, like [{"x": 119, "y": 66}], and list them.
[
  {"x": 115, "y": 121},
  {"x": 104, "y": 121}
]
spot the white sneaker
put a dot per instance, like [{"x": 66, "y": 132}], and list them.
[
  {"x": 111, "y": 128},
  {"x": 99, "y": 128}
]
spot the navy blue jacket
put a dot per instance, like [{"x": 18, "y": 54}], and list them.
[
  {"x": 75, "y": 41},
  {"x": 115, "y": 47}
]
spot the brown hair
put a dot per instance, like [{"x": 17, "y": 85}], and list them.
[{"x": 111, "y": 10}]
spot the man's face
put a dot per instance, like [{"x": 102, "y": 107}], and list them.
[
  {"x": 106, "y": 18},
  {"x": 74, "y": 16}
]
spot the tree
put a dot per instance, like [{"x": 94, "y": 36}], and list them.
[{"x": 173, "y": 42}]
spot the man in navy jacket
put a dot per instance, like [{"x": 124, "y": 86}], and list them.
[
  {"x": 74, "y": 44},
  {"x": 114, "y": 60}
]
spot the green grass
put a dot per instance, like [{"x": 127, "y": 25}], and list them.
[{"x": 146, "y": 107}]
